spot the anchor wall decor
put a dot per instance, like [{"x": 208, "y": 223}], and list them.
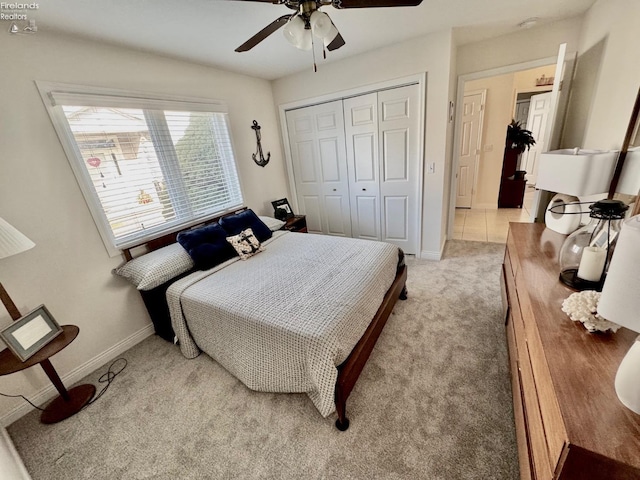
[{"x": 258, "y": 157}]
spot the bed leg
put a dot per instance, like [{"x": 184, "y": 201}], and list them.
[
  {"x": 403, "y": 293},
  {"x": 342, "y": 423}
]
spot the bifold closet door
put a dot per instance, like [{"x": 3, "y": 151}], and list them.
[
  {"x": 399, "y": 147},
  {"x": 316, "y": 137},
  {"x": 361, "y": 129}
]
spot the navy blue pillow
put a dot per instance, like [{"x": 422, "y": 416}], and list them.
[
  {"x": 207, "y": 246},
  {"x": 234, "y": 224}
]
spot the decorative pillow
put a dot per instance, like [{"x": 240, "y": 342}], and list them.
[
  {"x": 155, "y": 268},
  {"x": 207, "y": 246},
  {"x": 273, "y": 223},
  {"x": 234, "y": 224},
  {"x": 246, "y": 244}
]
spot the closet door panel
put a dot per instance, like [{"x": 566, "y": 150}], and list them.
[
  {"x": 396, "y": 155},
  {"x": 361, "y": 130},
  {"x": 367, "y": 215},
  {"x": 308, "y": 174},
  {"x": 396, "y": 220},
  {"x": 316, "y": 138},
  {"x": 329, "y": 160},
  {"x": 399, "y": 142},
  {"x": 334, "y": 206}
]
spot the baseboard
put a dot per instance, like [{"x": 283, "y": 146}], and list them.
[
  {"x": 431, "y": 255},
  {"x": 77, "y": 374}
]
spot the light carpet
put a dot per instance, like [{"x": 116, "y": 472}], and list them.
[{"x": 433, "y": 402}]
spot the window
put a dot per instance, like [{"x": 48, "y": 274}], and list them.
[{"x": 146, "y": 166}]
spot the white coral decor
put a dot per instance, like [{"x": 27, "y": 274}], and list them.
[{"x": 582, "y": 307}]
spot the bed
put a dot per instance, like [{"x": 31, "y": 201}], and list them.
[{"x": 302, "y": 315}]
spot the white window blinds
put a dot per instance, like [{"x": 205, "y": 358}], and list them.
[{"x": 147, "y": 170}]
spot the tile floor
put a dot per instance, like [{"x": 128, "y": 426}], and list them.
[{"x": 490, "y": 225}]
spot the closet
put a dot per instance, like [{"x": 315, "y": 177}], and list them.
[{"x": 356, "y": 166}]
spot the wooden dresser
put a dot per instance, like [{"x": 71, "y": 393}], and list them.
[{"x": 569, "y": 421}]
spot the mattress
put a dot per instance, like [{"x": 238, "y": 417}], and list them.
[{"x": 284, "y": 319}]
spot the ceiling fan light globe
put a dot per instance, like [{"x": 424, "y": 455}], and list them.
[
  {"x": 320, "y": 24},
  {"x": 294, "y": 31},
  {"x": 306, "y": 42}
]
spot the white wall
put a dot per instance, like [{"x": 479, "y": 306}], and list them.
[
  {"x": 431, "y": 54},
  {"x": 615, "y": 21},
  {"x": 69, "y": 269},
  {"x": 523, "y": 46}
]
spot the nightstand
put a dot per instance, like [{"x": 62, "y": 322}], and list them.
[
  {"x": 69, "y": 402},
  {"x": 297, "y": 223}
]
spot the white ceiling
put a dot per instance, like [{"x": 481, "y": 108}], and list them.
[{"x": 208, "y": 31}]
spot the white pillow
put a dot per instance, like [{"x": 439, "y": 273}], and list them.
[
  {"x": 273, "y": 223},
  {"x": 155, "y": 268}
]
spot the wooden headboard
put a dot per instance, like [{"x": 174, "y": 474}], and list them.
[{"x": 169, "y": 238}]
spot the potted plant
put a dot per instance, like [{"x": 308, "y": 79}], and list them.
[{"x": 519, "y": 138}]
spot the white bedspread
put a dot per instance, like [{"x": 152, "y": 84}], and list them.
[{"x": 282, "y": 320}]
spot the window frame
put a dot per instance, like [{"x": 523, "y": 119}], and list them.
[{"x": 55, "y": 94}]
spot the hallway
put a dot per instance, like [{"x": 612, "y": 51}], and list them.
[{"x": 490, "y": 225}]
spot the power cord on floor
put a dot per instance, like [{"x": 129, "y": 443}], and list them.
[{"x": 107, "y": 378}]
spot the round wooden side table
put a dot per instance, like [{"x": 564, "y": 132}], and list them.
[{"x": 69, "y": 402}]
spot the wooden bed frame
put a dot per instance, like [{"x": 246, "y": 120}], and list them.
[{"x": 349, "y": 370}]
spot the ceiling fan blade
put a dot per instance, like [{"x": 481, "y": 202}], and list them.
[
  {"x": 336, "y": 43},
  {"x": 375, "y": 3},
  {"x": 264, "y": 33}
]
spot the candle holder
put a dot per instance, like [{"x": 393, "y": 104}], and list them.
[{"x": 586, "y": 253}]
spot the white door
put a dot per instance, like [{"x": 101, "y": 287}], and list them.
[
  {"x": 470, "y": 140},
  {"x": 537, "y": 123},
  {"x": 316, "y": 137},
  {"x": 563, "y": 77},
  {"x": 399, "y": 147},
  {"x": 522, "y": 111},
  {"x": 361, "y": 129}
]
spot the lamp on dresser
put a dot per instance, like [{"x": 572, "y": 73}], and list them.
[
  {"x": 620, "y": 303},
  {"x": 12, "y": 242}
]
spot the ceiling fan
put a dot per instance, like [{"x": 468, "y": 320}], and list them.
[{"x": 308, "y": 21}]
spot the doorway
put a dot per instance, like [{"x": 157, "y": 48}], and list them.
[{"x": 511, "y": 84}]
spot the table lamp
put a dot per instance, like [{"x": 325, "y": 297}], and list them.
[
  {"x": 12, "y": 242},
  {"x": 620, "y": 303}
]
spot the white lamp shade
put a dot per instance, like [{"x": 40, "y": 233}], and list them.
[
  {"x": 320, "y": 24},
  {"x": 12, "y": 241},
  {"x": 620, "y": 303},
  {"x": 620, "y": 298},
  {"x": 294, "y": 31}
]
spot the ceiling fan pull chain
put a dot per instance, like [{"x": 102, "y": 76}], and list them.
[{"x": 313, "y": 48}]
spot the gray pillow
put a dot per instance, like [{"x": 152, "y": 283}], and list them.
[
  {"x": 155, "y": 268},
  {"x": 273, "y": 223}
]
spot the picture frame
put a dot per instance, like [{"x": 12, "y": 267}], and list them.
[
  {"x": 27, "y": 335},
  {"x": 282, "y": 210}
]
